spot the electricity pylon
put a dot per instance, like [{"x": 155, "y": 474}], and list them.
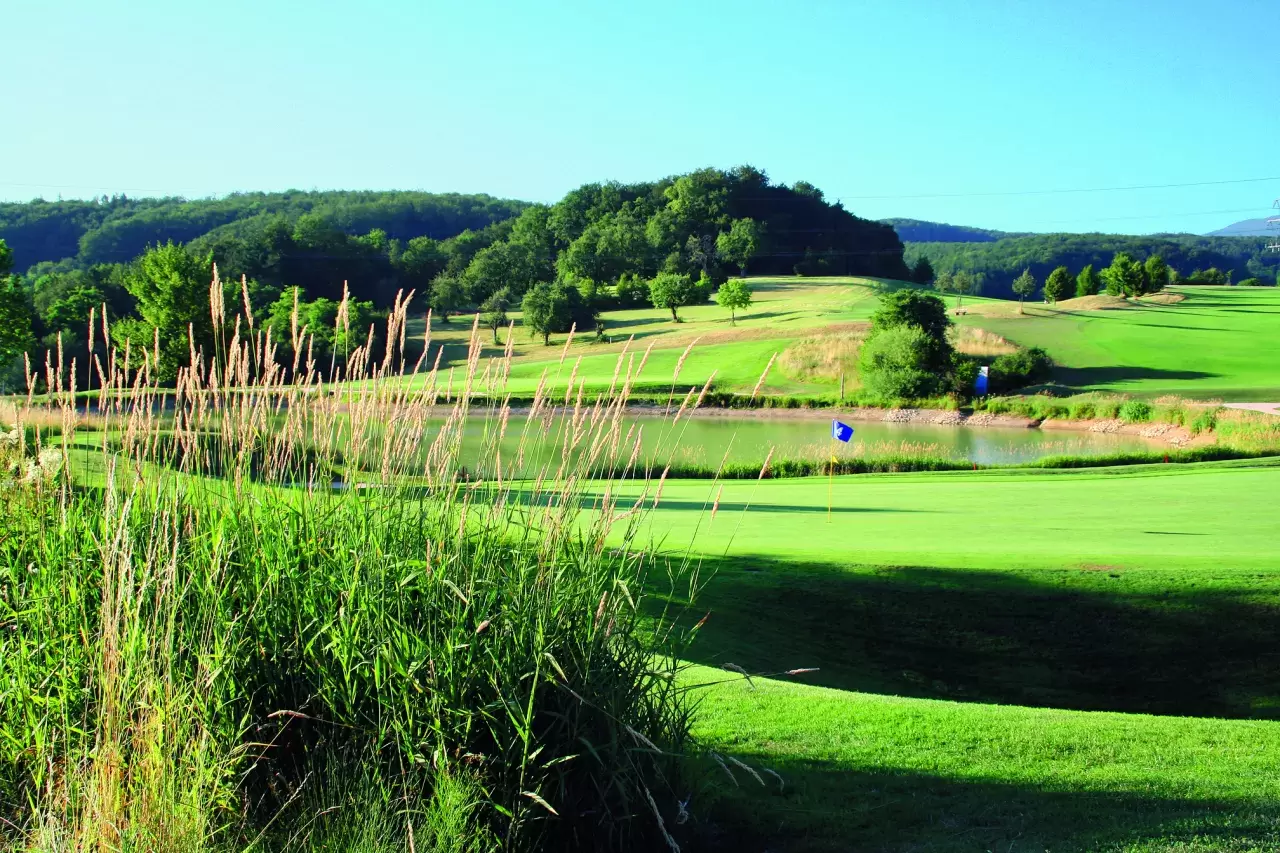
[{"x": 1273, "y": 222}]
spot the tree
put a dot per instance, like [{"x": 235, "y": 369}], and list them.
[
  {"x": 446, "y": 296},
  {"x": 632, "y": 291},
  {"x": 1155, "y": 274},
  {"x": 920, "y": 310},
  {"x": 1024, "y": 285},
  {"x": 555, "y": 307},
  {"x": 944, "y": 282},
  {"x": 962, "y": 284},
  {"x": 1125, "y": 276},
  {"x": 922, "y": 272},
  {"x": 734, "y": 294},
  {"x": 420, "y": 262},
  {"x": 1088, "y": 282},
  {"x": 1058, "y": 285},
  {"x": 672, "y": 291},
  {"x": 172, "y": 292},
  {"x": 739, "y": 243},
  {"x": 493, "y": 311},
  {"x": 896, "y": 364},
  {"x": 17, "y": 326}
]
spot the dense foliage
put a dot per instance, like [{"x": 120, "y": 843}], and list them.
[
  {"x": 1003, "y": 260},
  {"x": 920, "y": 231},
  {"x": 78, "y": 234},
  {"x": 908, "y": 355}
]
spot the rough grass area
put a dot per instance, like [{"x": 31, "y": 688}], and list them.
[{"x": 210, "y": 640}]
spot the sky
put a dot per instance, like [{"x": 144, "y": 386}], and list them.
[{"x": 961, "y": 112}]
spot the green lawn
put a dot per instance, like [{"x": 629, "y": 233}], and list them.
[
  {"x": 1219, "y": 343},
  {"x": 867, "y": 772},
  {"x": 1006, "y": 660}
]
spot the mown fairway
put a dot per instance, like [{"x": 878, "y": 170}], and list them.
[
  {"x": 784, "y": 310},
  {"x": 1151, "y": 591},
  {"x": 1218, "y": 343}
]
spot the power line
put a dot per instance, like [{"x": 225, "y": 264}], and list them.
[{"x": 1062, "y": 191}]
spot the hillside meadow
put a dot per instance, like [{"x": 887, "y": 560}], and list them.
[{"x": 1213, "y": 344}]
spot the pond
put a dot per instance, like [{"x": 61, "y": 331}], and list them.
[{"x": 748, "y": 437}]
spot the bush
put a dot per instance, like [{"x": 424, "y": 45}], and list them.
[
  {"x": 1135, "y": 411},
  {"x": 632, "y": 291},
  {"x": 1204, "y": 422},
  {"x": 895, "y": 364},
  {"x": 1018, "y": 369},
  {"x": 1082, "y": 410},
  {"x": 964, "y": 373}
]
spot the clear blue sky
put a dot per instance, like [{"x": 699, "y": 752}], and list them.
[{"x": 527, "y": 100}]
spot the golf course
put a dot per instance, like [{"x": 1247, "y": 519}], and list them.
[{"x": 1212, "y": 343}]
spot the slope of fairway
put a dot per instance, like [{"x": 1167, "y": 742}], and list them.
[
  {"x": 1153, "y": 590},
  {"x": 783, "y": 310},
  {"x": 1218, "y": 343},
  {"x": 864, "y": 772}
]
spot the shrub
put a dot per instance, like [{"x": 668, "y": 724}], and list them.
[
  {"x": 1021, "y": 368},
  {"x": 632, "y": 291},
  {"x": 1082, "y": 410},
  {"x": 1135, "y": 411},
  {"x": 896, "y": 364},
  {"x": 1205, "y": 421}
]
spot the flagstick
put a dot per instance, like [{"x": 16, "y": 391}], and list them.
[{"x": 831, "y": 468}]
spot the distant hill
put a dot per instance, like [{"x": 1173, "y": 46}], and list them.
[
  {"x": 78, "y": 234},
  {"x": 1246, "y": 228},
  {"x": 921, "y": 231}
]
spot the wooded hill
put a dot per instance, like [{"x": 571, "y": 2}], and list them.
[{"x": 66, "y": 235}]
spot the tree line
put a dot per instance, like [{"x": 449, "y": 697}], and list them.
[{"x": 1000, "y": 262}]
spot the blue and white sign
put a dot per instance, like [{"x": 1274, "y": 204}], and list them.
[
  {"x": 841, "y": 432},
  {"x": 980, "y": 384}
]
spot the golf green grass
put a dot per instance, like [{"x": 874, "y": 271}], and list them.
[
  {"x": 1218, "y": 343},
  {"x": 866, "y": 772},
  {"x": 1031, "y": 660},
  {"x": 784, "y": 310}
]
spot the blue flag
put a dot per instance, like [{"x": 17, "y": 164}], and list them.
[
  {"x": 841, "y": 432},
  {"x": 980, "y": 384}
]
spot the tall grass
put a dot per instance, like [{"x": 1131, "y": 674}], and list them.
[{"x": 205, "y": 644}]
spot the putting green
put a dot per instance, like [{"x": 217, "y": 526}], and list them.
[{"x": 1004, "y": 660}]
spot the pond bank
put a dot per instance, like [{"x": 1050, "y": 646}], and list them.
[{"x": 1172, "y": 434}]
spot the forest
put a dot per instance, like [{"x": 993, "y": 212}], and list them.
[
  {"x": 149, "y": 261},
  {"x": 999, "y": 262}
]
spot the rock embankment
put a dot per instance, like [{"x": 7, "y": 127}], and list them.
[{"x": 1172, "y": 434}]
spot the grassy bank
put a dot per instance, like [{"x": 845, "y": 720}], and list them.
[{"x": 207, "y": 647}]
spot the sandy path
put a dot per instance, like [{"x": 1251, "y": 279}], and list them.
[{"x": 1269, "y": 408}]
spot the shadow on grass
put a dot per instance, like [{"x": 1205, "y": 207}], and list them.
[
  {"x": 997, "y": 637},
  {"x": 1084, "y": 376},
  {"x": 827, "y": 807}
]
